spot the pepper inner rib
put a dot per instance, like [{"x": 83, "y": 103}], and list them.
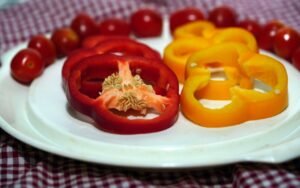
[{"x": 123, "y": 92}]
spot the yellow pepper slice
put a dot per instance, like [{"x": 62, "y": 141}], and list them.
[
  {"x": 178, "y": 51},
  {"x": 196, "y": 36},
  {"x": 221, "y": 58},
  {"x": 272, "y": 73},
  {"x": 207, "y": 30},
  {"x": 233, "y": 113},
  {"x": 246, "y": 103},
  {"x": 203, "y": 29},
  {"x": 233, "y": 34}
]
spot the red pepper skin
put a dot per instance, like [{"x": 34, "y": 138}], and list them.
[
  {"x": 156, "y": 74},
  {"x": 73, "y": 59},
  {"x": 126, "y": 46},
  {"x": 80, "y": 72},
  {"x": 120, "y": 44},
  {"x": 117, "y": 44},
  {"x": 92, "y": 41}
]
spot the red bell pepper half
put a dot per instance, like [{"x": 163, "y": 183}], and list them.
[
  {"x": 131, "y": 87},
  {"x": 120, "y": 45}
]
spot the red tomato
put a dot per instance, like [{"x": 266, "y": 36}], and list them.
[
  {"x": 45, "y": 46},
  {"x": 223, "y": 16},
  {"x": 296, "y": 58},
  {"x": 114, "y": 27},
  {"x": 84, "y": 25},
  {"x": 146, "y": 23},
  {"x": 252, "y": 26},
  {"x": 267, "y": 34},
  {"x": 286, "y": 42},
  {"x": 65, "y": 41},
  {"x": 184, "y": 16},
  {"x": 27, "y": 65}
]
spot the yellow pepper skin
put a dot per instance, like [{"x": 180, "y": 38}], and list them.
[
  {"x": 196, "y": 36},
  {"x": 233, "y": 113},
  {"x": 207, "y": 30},
  {"x": 177, "y": 52},
  {"x": 222, "y": 58},
  {"x": 247, "y": 102},
  {"x": 235, "y": 35},
  {"x": 204, "y": 29},
  {"x": 272, "y": 73}
]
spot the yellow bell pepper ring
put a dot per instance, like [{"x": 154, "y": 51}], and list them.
[
  {"x": 207, "y": 30},
  {"x": 269, "y": 101},
  {"x": 218, "y": 88},
  {"x": 236, "y": 35},
  {"x": 177, "y": 52},
  {"x": 233, "y": 113},
  {"x": 196, "y": 36},
  {"x": 246, "y": 103},
  {"x": 222, "y": 61},
  {"x": 203, "y": 29}
]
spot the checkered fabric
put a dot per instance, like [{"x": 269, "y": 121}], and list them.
[
  {"x": 20, "y": 22},
  {"x": 24, "y": 166}
]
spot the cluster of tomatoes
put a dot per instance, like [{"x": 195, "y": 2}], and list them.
[{"x": 41, "y": 51}]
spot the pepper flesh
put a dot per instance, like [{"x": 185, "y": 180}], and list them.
[{"x": 246, "y": 103}]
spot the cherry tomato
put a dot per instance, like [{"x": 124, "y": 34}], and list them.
[
  {"x": 286, "y": 42},
  {"x": 252, "y": 26},
  {"x": 84, "y": 25},
  {"x": 146, "y": 23},
  {"x": 223, "y": 16},
  {"x": 45, "y": 47},
  {"x": 65, "y": 41},
  {"x": 296, "y": 58},
  {"x": 184, "y": 16},
  {"x": 266, "y": 37},
  {"x": 27, "y": 65},
  {"x": 114, "y": 27}
]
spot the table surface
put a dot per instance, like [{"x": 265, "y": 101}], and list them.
[{"x": 24, "y": 166}]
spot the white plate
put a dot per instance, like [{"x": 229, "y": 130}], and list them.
[{"x": 39, "y": 115}]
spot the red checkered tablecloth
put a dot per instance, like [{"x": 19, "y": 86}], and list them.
[{"x": 24, "y": 166}]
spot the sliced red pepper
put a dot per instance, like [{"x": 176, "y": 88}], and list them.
[
  {"x": 145, "y": 86},
  {"x": 73, "y": 59},
  {"x": 126, "y": 46},
  {"x": 119, "y": 45},
  {"x": 123, "y": 45},
  {"x": 92, "y": 41}
]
